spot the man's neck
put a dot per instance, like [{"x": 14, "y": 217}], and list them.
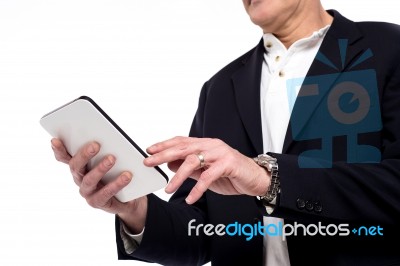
[{"x": 302, "y": 26}]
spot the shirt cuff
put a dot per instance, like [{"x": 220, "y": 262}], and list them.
[
  {"x": 131, "y": 241},
  {"x": 270, "y": 208}
]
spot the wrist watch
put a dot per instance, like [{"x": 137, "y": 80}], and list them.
[{"x": 271, "y": 165}]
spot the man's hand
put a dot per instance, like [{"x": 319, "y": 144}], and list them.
[
  {"x": 225, "y": 170},
  {"x": 98, "y": 195}
]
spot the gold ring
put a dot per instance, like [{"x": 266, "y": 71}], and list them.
[{"x": 201, "y": 159}]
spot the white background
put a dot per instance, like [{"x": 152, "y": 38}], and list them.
[{"x": 144, "y": 62}]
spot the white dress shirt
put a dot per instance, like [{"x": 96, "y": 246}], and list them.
[{"x": 280, "y": 64}]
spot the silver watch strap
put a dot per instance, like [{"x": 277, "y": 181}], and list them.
[{"x": 271, "y": 165}]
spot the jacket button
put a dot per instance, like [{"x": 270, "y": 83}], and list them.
[
  {"x": 317, "y": 206},
  {"x": 301, "y": 203},
  {"x": 309, "y": 205}
]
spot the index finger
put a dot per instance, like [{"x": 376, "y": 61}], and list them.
[
  {"x": 166, "y": 144},
  {"x": 80, "y": 160}
]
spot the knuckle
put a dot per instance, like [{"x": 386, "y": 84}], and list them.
[
  {"x": 59, "y": 158},
  {"x": 217, "y": 142},
  {"x": 77, "y": 177},
  {"x": 156, "y": 146},
  {"x": 179, "y": 138},
  {"x": 92, "y": 202},
  {"x": 192, "y": 159},
  {"x": 205, "y": 177},
  {"x": 107, "y": 192},
  {"x": 182, "y": 146},
  {"x": 82, "y": 192},
  {"x": 176, "y": 138},
  {"x": 72, "y": 166},
  {"x": 108, "y": 206},
  {"x": 231, "y": 155},
  {"x": 87, "y": 182},
  {"x": 76, "y": 181},
  {"x": 181, "y": 149},
  {"x": 228, "y": 164},
  {"x": 200, "y": 187},
  {"x": 75, "y": 169}
]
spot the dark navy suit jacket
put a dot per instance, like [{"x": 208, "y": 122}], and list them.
[{"x": 353, "y": 193}]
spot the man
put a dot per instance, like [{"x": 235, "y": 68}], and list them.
[{"x": 333, "y": 150}]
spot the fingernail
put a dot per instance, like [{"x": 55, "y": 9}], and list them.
[
  {"x": 126, "y": 177},
  {"x": 110, "y": 161},
  {"x": 93, "y": 148},
  {"x": 147, "y": 160},
  {"x": 189, "y": 200},
  {"x": 149, "y": 149},
  {"x": 168, "y": 188}
]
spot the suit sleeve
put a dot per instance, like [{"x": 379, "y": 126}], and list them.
[
  {"x": 166, "y": 240},
  {"x": 364, "y": 193}
]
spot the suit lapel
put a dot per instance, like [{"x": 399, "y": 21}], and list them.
[
  {"x": 246, "y": 84},
  {"x": 246, "y": 81},
  {"x": 339, "y": 50}
]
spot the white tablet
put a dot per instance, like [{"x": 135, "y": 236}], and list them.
[{"x": 82, "y": 121}]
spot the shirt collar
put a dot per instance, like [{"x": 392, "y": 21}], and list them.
[{"x": 271, "y": 43}]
